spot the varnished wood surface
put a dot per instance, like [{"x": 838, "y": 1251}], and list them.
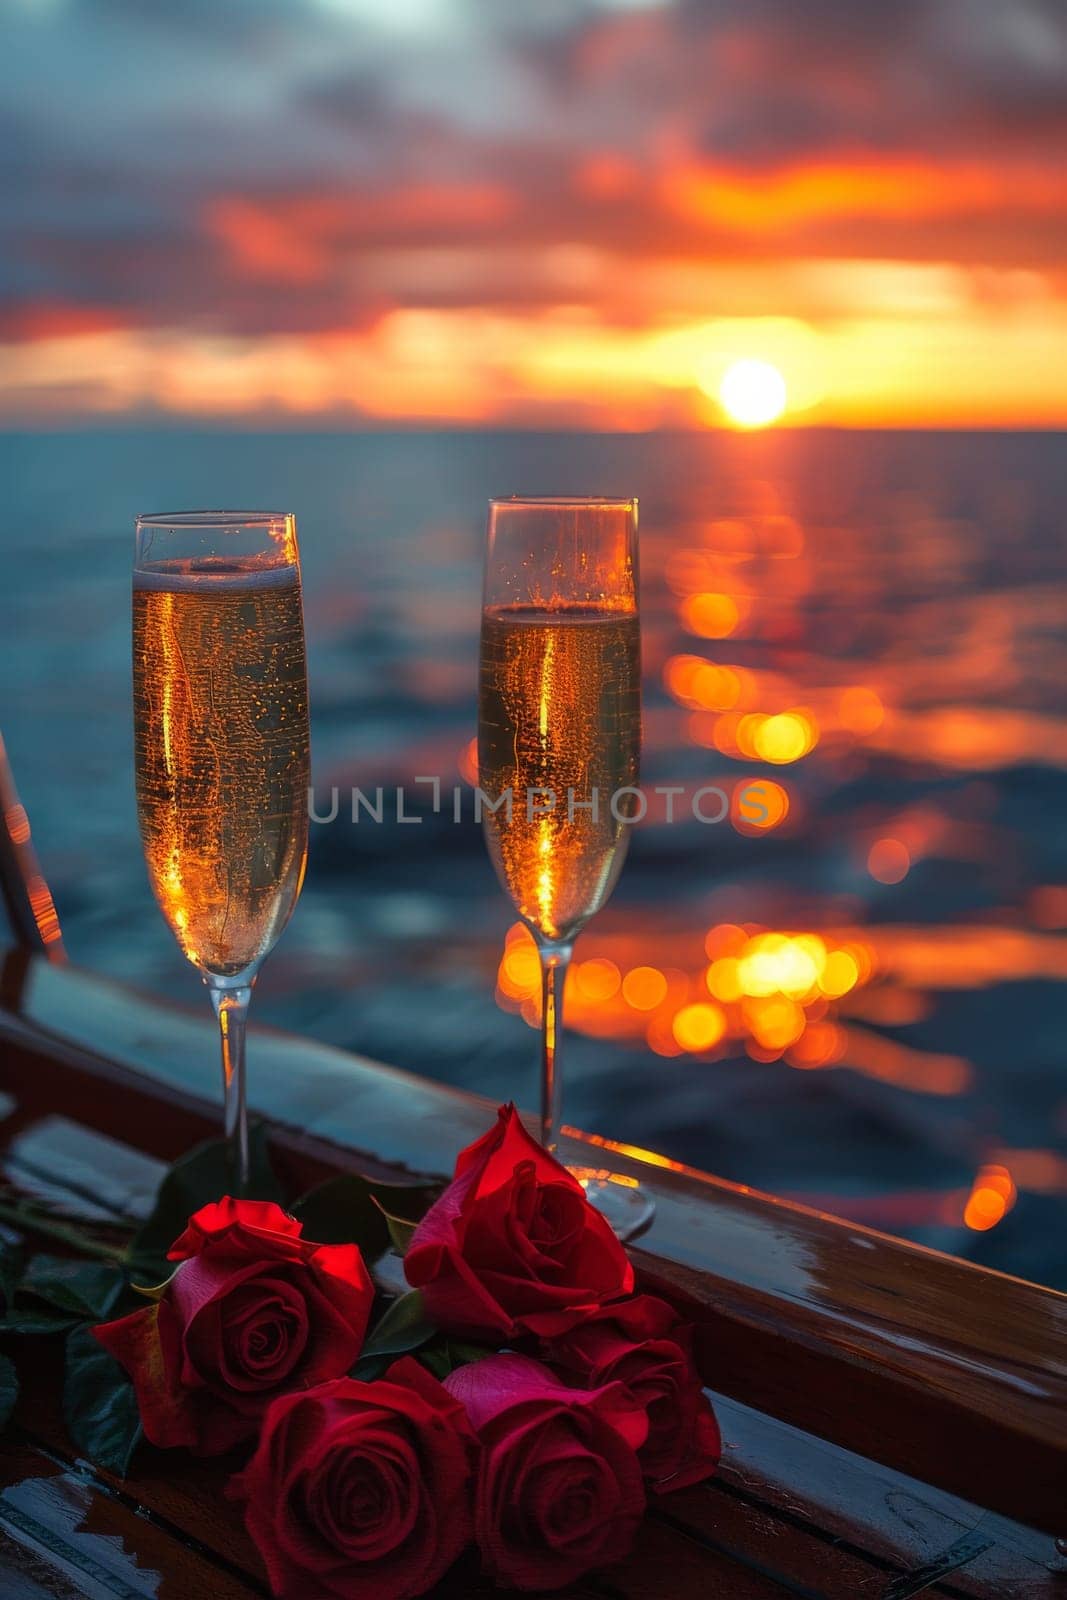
[
  {"x": 779, "y": 1489},
  {"x": 66, "y": 1533},
  {"x": 774, "y": 1523},
  {"x": 24, "y": 894},
  {"x": 169, "y": 1532},
  {"x": 946, "y": 1372}
]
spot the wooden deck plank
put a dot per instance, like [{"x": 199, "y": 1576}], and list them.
[
  {"x": 770, "y": 1469},
  {"x": 182, "y": 1498},
  {"x": 96, "y": 1542},
  {"x": 781, "y": 1505},
  {"x": 666, "y": 1561},
  {"x": 23, "y": 1576},
  {"x": 751, "y": 1534},
  {"x": 176, "y": 1503}
]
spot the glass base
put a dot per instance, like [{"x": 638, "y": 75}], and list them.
[{"x": 620, "y": 1201}]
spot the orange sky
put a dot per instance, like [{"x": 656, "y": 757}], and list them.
[{"x": 437, "y": 211}]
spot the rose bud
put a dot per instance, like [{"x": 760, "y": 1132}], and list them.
[
  {"x": 559, "y": 1485},
  {"x": 643, "y": 1344},
  {"x": 513, "y": 1245},
  {"x": 251, "y": 1311},
  {"x": 361, "y": 1489}
]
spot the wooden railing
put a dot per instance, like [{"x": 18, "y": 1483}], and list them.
[
  {"x": 949, "y": 1373},
  {"x": 24, "y": 895}
]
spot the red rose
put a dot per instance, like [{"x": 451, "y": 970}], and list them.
[
  {"x": 252, "y": 1311},
  {"x": 643, "y": 1344},
  {"x": 559, "y": 1485},
  {"x": 513, "y": 1245},
  {"x": 361, "y": 1489}
]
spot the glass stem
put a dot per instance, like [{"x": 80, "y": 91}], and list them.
[
  {"x": 555, "y": 958},
  {"x": 231, "y": 1008}
]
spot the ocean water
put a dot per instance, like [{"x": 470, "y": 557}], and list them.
[{"x": 869, "y": 625}]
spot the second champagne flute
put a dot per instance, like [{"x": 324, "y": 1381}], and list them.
[{"x": 559, "y": 741}]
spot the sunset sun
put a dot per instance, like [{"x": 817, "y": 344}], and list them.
[{"x": 752, "y": 393}]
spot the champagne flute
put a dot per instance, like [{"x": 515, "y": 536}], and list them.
[
  {"x": 559, "y": 743},
  {"x": 221, "y": 752}
]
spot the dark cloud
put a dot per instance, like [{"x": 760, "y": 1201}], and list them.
[
  {"x": 838, "y": 27},
  {"x": 354, "y": 102},
  {"x": 263, "y": 27},
  {"x": 263, "y": 166},
  {"x": 772, "y": 81}
]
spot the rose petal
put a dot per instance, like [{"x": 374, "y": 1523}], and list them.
[
  {"x": 456, "y": 1298},
  {"x": 135, "y": 1341},
  {"x": 513, "y": 1146},
  {"x": 278, "y": 1314},
  {"x": 341, "y": 1272},
  {"x": 513, "y": 1246},
  {"x": 574, "y": 1503},
  {"x": 214, "y": 1221},
  {"x": 700, "y": 1452},
  {"x": 361, "y": 1490},
  {"x": 498, "y": 1383},
  {"x": 560, "y": 1487},
  {"x": 642, "y": 1343}
]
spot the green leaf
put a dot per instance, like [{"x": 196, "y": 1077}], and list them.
[
  {"x": 463, "y": 1353},
  {"x": 442, "y": 1356},
  {"x": 343, "y": 1211},
  {"x": 99, "y": 1405},
  {"x": 401, "y": 1231},
  {"x": 434, "y": 1357},
  {"x": 350, "y": 1209},
  {"x": 86, "y": 1288},
  {"x": 204, "y": 1174},
  {"x": 36, "y": 1324},
  {"x": 152, "y": 1291},
  {"x": 369, "y": 1368},
  {"x": 403, "y": 1327},
  {"x": 9, "y": 1390},
  {"x": 411, "y": 1201}
]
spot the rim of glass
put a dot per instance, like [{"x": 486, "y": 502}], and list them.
[
  {"x": 563, "y": 500},
  {"x": 214, "y": 519}
]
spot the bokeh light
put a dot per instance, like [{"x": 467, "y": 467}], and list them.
[
  {"x": 785, "y": 737},
  {"x": 759, "y": 806},
  {"x": 598, "y": 979},
  {"x": 644, "y": 988},
  {"x": 888, "y": 861},
  {"x": 860, "y": 710},
  {"x": 699, "y": 1027},
  {"x": 711, "y": 616},
  {"x": 990, "y": 1200}
]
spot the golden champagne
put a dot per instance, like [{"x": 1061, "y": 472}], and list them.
[
  {"x": 559, "y": 710},
  {"x": 221, "y": 753}
]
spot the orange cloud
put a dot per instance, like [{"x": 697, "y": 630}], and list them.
[
  {"x": 263, "y": 245},
  {"x": 296, "y": 238},
  {"x": 901, "y": 189},
  {"x": 56, "y": 319},
  {"x": 560, "y": 366}
]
